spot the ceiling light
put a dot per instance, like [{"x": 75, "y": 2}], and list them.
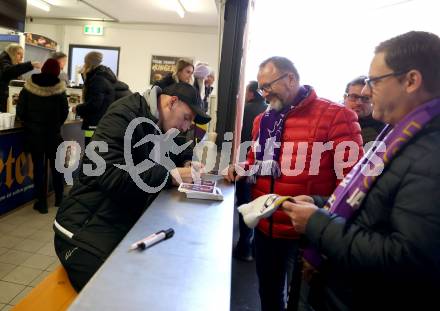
[
  {"x": 180, "y": 10},
  {"x": 39, "y": 4},
  {"x": 53, "y": 2}
]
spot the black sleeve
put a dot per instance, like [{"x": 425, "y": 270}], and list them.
[
  {"x": 11, "y": 72},
  {"x": 116, "y": 182},
  {"x": 64, "y": 111},
  {"x": 319, "y": 200},
  {"x": 410, "y": 246},
  {"x": 21, "y": 109},
  {"x": 95, "y": 97}
]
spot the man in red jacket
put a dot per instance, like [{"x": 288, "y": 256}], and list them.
[{"x": 304, "y": 145}]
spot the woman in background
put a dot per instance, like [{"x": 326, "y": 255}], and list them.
[
  {"x": 11, "y": 68},
  {"x": 98, "y": 93},
  {"x": 184, "y": 72},
  {"x": 43, "y": 107}
]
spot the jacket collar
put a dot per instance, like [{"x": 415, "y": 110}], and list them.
[{"x": 45, "y": 91}]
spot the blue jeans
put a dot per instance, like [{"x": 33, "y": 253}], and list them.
[{"x": 275, "y": 259}]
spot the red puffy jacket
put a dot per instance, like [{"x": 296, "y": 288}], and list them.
[{"x": 314, "y": 120}]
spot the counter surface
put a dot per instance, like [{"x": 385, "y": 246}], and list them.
[
  {"x": 191, "y": 271},
  {"x": 18, "y": 125}
]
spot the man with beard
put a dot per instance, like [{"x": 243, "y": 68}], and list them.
[{"x": 298, "y": 127}]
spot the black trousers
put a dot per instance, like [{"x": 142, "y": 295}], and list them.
[
  {"x": 39, "y": 160},
  {"x": 243, "y": 195},
  {"x": 275, "y": 260},
  {"x": 80, "y": 265}
]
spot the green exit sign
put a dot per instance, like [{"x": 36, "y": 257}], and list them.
[{"x": 93, "y": 30}]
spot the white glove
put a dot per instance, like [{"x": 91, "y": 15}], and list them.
[{"x": 261, "y": 207}]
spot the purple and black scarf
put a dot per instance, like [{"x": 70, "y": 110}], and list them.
[
  {"x": 352, "y": 190},
  {"x": 270, "y": 137}
]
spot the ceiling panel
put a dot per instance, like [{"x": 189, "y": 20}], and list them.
[
  {"x": 65, "y": 9},
  {"x": 198, "y": 12}
]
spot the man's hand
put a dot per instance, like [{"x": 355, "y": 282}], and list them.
[
  {"x": 181, "y": 175},
  {"x": 191, "y": 172},
  {"x": 231, "y": 175},
  {"x": 299, "y": 212},
  {"x": 304, "y": 198}
]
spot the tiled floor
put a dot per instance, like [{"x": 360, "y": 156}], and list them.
[{"x": 27, "y": 254}]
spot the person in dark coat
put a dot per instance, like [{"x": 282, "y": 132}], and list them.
[
  {"x": 361, "y": 104},
  {"x": 12, "y": 67},
  {"x": 254, "y": 105},
  {"x": 43, "y": 108},
  {"x": 98, "y": 93},
  {"x": 100, "y": 210},
  {"x": 379, "y": 233}
]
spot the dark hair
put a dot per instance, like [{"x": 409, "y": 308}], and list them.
[
  {"x": 282, "y": 64},
  {"x": 357, "y": 81},
  {"x": 417, "y": 50},
  {"x": 57, "y": 55},
  {"x": 253, "y": 87}
]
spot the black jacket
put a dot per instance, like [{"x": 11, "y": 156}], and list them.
[
  {"x": 251, "y": 110},
  {"x": 100, "y": 210},
  {"x": 99, "y": 93},
  {"x": 121, "y": 90},
  {"x": 387, "y": 257},
  {"x": 9, "y": 72},
  {"x": 43, "y": 108},
  {"x": 370, "y": 128},
  {"x": 165, "y": 81}
]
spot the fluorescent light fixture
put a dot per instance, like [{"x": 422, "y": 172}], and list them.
[
  {"x": 39, "y": 4},
  {"x": 180, "y": 10},
  {"x": 53, "y": 2}
]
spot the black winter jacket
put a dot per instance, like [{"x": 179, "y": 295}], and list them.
[
  {"x": 165, "y": 81},
  {"x": 99, "y": 93},
  {"x": 100, "y": 210},
  {"x": 387, "y": 256},
  {"x": 9, "y": 72},
  {"x": 43, "y": 108}
]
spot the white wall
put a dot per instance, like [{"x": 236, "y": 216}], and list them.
[
  {"x": 137, "y": 44},
  {"x": 336, "y": 43}
]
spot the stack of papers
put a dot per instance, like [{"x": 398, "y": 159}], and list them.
[{"x": 205, "y": 190}]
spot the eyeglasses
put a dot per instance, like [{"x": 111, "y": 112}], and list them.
[
  {"x": 371, "y": 81},
  {"x": 356, "y": 97},
  {"x": 267, "y": 87}
]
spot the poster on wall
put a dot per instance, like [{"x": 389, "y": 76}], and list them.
[{"x": 163, "y": 65}]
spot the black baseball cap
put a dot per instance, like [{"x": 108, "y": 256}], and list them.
[{"x": 188, "y": 94}]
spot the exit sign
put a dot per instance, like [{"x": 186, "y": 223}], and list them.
[{"x": 94, "y": 30}]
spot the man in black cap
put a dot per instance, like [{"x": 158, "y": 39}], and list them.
[{"x": 100, "y": 210}]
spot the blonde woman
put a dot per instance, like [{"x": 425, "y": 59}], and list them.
[
  {"x": 12, "y": 67},
  {"x": 184, "y": 72}
]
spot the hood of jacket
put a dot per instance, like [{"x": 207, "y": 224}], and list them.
[
  {"x": 40, "y": 85},
  {"x": 151, "y": 97},
  {"x": 104, "y": 72}
]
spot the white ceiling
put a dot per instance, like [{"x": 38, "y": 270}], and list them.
[{"x": 198, "y": 12}]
